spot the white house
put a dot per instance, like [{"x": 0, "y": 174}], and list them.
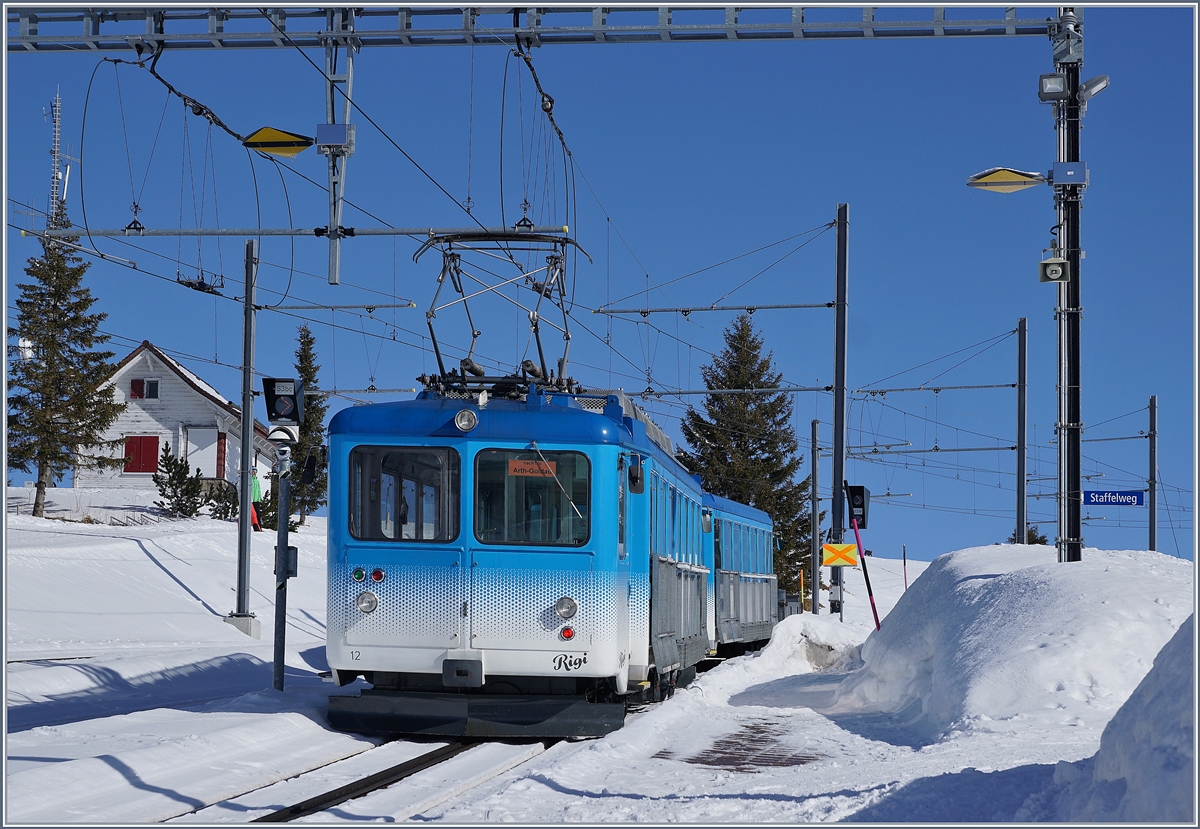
[{"x": 166, "y": 402}]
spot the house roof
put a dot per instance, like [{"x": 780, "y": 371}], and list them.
[{"x": 187, "y": 377}]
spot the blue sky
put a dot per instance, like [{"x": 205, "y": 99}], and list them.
[{"x": 689, "y": 155}]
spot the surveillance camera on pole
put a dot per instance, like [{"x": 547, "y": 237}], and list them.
[{"x": 283, "y": 437}]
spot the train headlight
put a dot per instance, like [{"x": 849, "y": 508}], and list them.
[
  {"x": 466, "y": 420},
  {"x": 567, "y": 634},
  {"x": 358, "y": 574},
  {"x": 566, "y": 607},
  {"x": 366, "y": 601}
]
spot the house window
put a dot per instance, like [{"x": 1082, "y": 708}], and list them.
[
  {"x": 141, "y": 453},
  {"x": 143, "y": 389}
]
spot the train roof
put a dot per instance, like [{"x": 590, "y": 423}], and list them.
[
  {"x": 538, "y": 416},
  {"x": 735, "y": 508}
]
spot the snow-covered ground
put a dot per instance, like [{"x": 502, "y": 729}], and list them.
[{"x": 993, "y": 692}]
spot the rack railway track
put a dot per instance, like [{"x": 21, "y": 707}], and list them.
[{"x": 410, "y": 787}]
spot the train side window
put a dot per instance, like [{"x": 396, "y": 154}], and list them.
[
  {"x": 687, "y": 529},
  {"x": 691, "y": 531},
  {"x": 674, "y": 551},
  {"x": 664, "y": 521},
  {"x": 685, "y": 540},
  {"x": 694, "y": 531},
  {"x": 402, "y": 493},
  {"x": 653, "y": 513},
  {"x": 717, "y": 543},
  {"x": 620, "y": 515}
]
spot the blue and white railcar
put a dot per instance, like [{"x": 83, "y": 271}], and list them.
[
  {"x": 523, "y": 566},
  {"x": 743, "y": 544}
]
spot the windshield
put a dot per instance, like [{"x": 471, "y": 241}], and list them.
[
  {"x": 400, "y": 493},
  {"x": 532, "y": 497}
]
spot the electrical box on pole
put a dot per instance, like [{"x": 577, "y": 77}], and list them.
[{"x": 292, "y": 562}]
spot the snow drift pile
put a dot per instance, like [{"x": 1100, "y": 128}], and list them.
[
  {"x": 1002, "y": 638},
  {"x": 1144, "y": 770}
]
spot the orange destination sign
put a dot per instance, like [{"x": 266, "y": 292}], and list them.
[
  {"x": 839, "y": 555},
  {"x": 531, "y": 469}
]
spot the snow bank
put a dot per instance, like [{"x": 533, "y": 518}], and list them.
[
  {"x": 1145, "y": 768},
  {"x": 1004, "y": 637}
]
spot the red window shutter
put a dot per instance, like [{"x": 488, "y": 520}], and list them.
[
  {"x": 149, "y": 454},
  {"x": 137, "y": 389},
  {"x": 141, "y": 453}
]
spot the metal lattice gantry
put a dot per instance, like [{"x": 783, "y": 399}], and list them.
[
  {"x": 98, "y": 29},
  {"x": 149, "y": 32}
]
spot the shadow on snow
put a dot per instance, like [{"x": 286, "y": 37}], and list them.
[
  {"x": 201, "y": 682},
  {"x": 818, "y": 691},
  {"x": 968, "y": 796}
]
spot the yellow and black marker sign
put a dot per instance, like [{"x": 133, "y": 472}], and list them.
[
  {"x": 1005, "y": 180},
  {"x": 277, "y": 142},
  {"x": 839, "y": 555}
]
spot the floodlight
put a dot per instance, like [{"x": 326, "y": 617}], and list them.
[
  {"x": 1092, "y": 87},
  {"x": 1053, "y": 88}
]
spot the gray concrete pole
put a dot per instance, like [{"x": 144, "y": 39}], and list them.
[{"x": 242, "y": 618}]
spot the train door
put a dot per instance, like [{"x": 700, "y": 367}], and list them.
[
  {"x": 631, "y": 514},
  {"x": 404, "y": 547},
  {"x": 532, "y": 528}
]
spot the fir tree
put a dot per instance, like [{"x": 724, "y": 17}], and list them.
[
  {"x": 57, "y": 411},
  {"x": 1032, "y": 536},
  {"x": 308, "y": 498},
  {"x": 268, "y": 517},
  {"x": 223, "y": 497},
  {"x": 183, "y": 494},
  {"x": 744, "y": 446}
]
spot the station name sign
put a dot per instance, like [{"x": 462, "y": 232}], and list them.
[{"x": 1134, "y": 498}]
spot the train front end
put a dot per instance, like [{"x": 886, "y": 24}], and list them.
[{"x": 474, "y": 579}]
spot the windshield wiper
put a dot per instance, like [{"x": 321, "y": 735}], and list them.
[{"x": 556, "y": 480}]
